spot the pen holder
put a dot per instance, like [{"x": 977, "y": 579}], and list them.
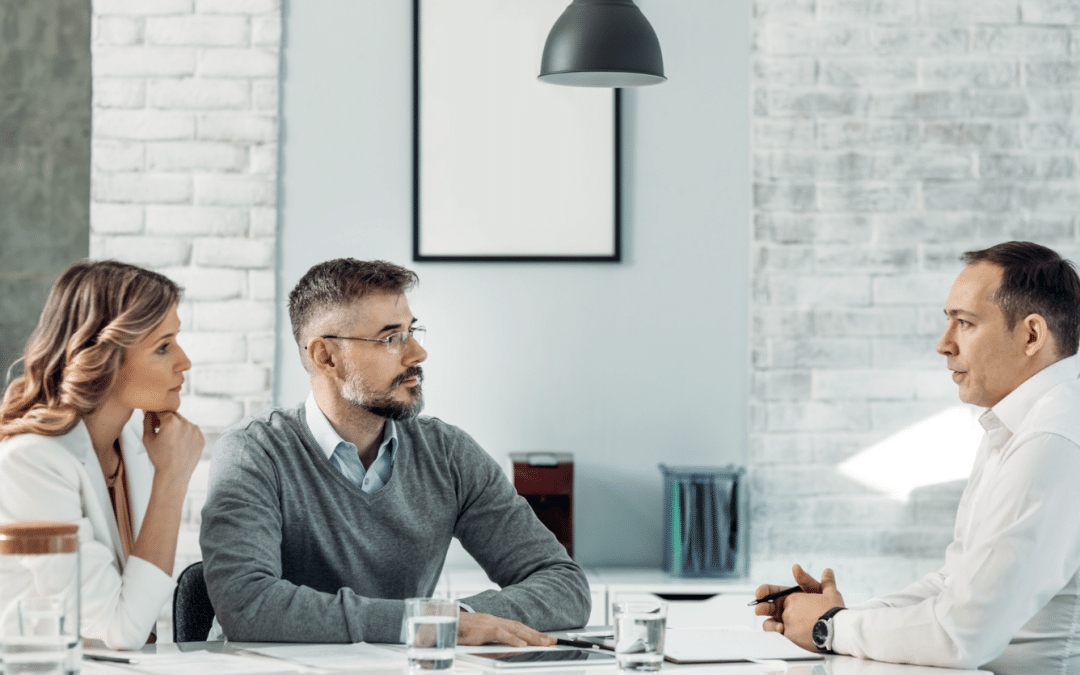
[{"x": 706, "y": 521}]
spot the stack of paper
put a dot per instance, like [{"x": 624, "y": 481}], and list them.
[
  {"x": 717, "y": 645},
  {"x": 356, "y": 656}
]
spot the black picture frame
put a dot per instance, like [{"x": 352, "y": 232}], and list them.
[{"x": 598, "y": 238}]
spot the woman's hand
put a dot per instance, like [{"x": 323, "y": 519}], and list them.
[{"x": 173, "y": 444}]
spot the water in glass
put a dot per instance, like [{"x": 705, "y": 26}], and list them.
[
  {"x": 38, "y": 656},
  {"x": 431, "y": 641}
]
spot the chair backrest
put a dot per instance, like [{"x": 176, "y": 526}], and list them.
[{"x": 193, "y": 615}]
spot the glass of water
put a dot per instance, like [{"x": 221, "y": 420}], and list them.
[
  {"x": 431, "y": 632},
  {"x": 639, "y": 634}
]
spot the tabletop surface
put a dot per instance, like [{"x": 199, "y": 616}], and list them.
[{"x": 831, "y": 665}]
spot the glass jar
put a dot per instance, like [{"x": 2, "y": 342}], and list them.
[{"x": 39, "y": 598}]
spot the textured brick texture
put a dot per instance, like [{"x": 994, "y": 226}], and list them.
[
  {"x": 183, "y": 180},
  {"x": 889, "y": 137}
]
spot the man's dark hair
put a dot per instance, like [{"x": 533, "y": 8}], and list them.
[
  {"x": 1036, "y": 280},
  {"x": 339, "y": 282}
]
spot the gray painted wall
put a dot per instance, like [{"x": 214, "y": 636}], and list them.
[
  {"x": 44, "y": 157},
  {"x": 625, "y": 365}
]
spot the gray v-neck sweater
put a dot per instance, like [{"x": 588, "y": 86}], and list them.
[{"x": 294, "y": 552}]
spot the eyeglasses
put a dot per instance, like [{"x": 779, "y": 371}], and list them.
[{"x": 395, "y": 343}]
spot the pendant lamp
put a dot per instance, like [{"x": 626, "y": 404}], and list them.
[{"x": 602, "y": 43}]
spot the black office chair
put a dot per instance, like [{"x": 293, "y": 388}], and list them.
[{"x": 193, "y": 615}]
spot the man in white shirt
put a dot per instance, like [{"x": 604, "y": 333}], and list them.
[{"x": 1008, "y": 597}]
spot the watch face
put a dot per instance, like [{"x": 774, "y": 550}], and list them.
[{"x": 820, "y": 634}]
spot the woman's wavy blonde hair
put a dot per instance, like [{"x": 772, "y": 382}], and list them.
[{"x": 95, "y": 312}]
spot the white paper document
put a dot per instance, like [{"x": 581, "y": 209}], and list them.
[
  {"x": 186, "y": 663},
  {"x": 717, "y": 645},
  {"x": 337, "y": 656},
  {"x": 756, "y": 668}
]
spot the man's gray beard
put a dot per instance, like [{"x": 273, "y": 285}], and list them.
[{"x": 382, "y": 404}]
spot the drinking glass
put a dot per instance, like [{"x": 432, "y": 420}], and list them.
[
  {"x": 639, "y": 634},
  {"x": 431, "y": 632}
]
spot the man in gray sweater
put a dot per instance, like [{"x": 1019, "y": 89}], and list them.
[{"x": 321, "y": 519}]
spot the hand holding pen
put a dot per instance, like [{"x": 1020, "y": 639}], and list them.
[
  {"x": 775, "y": 596},
  {"x": 807, "y": 584}
]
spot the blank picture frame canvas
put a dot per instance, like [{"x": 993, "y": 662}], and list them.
[{"x": 507, "y": 168}]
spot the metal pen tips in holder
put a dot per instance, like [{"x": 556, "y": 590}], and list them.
[{"x": 706, "y": 521}]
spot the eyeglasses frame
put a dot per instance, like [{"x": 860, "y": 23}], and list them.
[{"x": 386, "y": 340}]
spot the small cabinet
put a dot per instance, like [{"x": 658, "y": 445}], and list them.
[{"x": 546, "y": 481}]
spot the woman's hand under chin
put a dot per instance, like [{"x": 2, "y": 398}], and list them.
[{"x": 173, "y": 444}]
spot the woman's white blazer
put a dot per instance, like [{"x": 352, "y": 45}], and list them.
[{"x": 59, "y": 478}]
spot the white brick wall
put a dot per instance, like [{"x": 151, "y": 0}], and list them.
[
  {"x": 889, "y": 137},
  {"x": 184, "y": 170}
]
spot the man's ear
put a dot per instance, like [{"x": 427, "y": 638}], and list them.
[
  {"x": 1037, "y": 334},
  {"x": 324, "y": 358}
]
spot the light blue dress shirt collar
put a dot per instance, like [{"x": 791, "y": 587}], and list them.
[{"x": 343, "y": 455}]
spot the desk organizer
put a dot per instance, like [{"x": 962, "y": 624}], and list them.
[{"x": 705, "y": 523}]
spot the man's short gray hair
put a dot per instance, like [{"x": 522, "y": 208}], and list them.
[{"x": 336, "y": 283}]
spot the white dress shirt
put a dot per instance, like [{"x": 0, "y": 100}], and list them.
[
  {"x": 1008, "y": 597},
  {"x": 59, "y": 478}
]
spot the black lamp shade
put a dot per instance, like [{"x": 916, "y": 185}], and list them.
[{"x": 602, "y": 43}]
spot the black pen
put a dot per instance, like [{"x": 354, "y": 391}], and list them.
[
  {"x": 111, "y": 659},
  {"x": 576, "y": 643},
  {"x": 775, "y": 596}
]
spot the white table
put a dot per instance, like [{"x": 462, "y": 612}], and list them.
[{"x": 831, "y": 665}]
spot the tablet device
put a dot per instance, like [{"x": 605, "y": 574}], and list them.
[{"x": 539, "y": 657}]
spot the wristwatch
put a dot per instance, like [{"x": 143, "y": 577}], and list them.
[{"x": 822, "y": 634}]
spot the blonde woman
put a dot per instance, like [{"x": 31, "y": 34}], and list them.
[{"x": 89, "y": 434}]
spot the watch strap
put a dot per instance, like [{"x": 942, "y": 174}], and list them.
[{"x": 830, "y": 614}]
